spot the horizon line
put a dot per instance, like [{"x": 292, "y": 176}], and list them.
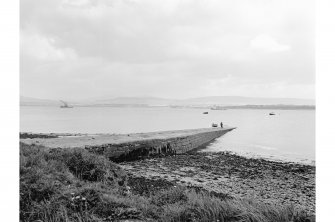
[{"x": 115, "y": 97}]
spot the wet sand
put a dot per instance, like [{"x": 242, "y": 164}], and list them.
[{"x": 235, "y": 176}]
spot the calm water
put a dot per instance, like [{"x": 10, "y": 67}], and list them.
[{"x": 288, "y": 135}]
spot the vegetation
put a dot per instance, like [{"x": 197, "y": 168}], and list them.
[
  {"x": 36, "y": 135},
  {"x": 63, "y": 185}
]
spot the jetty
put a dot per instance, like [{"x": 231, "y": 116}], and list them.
[{"x": 121, "y": 147}]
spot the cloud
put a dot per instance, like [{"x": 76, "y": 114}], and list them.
[
  {"x": 267, "y": 43},
  {"x": 42, "y": 48},
  {"x": 150, "y": 47},
  {"x": 239, "y": 86}
]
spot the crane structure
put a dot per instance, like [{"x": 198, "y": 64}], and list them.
[{"x": 65, "y": 104}]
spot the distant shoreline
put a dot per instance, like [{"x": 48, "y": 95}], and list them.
[
  {"x": 274, "y": 107},
  {"x": 280, "y": 107}
]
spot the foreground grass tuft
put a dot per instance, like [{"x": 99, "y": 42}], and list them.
[{"x": 65, "y": 185}]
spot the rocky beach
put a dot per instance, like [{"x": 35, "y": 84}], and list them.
[
  {"x": 231, "y": 175},
  {"x": 189, "y": 185}
]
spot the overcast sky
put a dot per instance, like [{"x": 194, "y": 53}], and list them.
[{"x": 76, "y": 49}]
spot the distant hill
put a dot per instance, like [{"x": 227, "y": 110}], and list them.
[
  {"x": 29, "y": 101},
  {"x": 279, "y": 106},
  {"x": 154, "y": 101},
  {"x": 212, "y": 100},
  {"x": 238, "y": 100}
]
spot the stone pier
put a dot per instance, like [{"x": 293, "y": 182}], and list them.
[{"x": 123, "y": 147}]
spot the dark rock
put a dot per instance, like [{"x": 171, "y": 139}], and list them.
[{"x": 310, "y": 219}]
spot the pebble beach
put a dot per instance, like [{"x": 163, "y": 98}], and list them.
[{"x": 229, "y": 174}]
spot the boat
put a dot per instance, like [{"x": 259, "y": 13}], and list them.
[
  {"x": 214, "y": 125},
  {"x": 65, "y": 104},
  {"x": 205, "y": 113},
  {"x": 272, "y": 114}
]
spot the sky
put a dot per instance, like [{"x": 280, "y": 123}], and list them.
[{"x": 80, "y": 49}]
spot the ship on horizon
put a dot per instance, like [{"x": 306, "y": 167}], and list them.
[{"x": 65, "y": 104}]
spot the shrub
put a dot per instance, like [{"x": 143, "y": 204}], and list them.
[
  {"x": 48, "y": 175},
  {"x": 40, "y": 179},
  {"x": 89, "y": 167}
]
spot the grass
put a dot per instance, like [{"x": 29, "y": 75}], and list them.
[{"x": 65, "y": 185}]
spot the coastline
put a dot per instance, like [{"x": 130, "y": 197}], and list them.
[
  {"x": 225, "y": 173},
  {"x": 83, "y": 140},
  {"x": 270, "y": 157}
]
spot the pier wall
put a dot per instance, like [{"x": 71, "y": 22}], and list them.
[{"x": 156, "y": 147}]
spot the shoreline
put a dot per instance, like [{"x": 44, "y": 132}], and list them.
[
  {"x": 263, "y": 185},
  {"x": 268, "y": 157},
  {"x": 127, "y": 147},
  {"x": 44, "y": 138},
  {"x": 225, "y": 173}
]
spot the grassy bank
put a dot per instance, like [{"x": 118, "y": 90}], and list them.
[{"x": 74, "y": 185}]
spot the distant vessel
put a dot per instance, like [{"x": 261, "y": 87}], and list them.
[
  {"x": 65, "y": 105},
  {"x": 214, "y": 125},
  {"x": 205, "y": 113},
  {"x": 272, "y": 113}
]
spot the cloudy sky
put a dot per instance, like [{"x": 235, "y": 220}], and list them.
[{"x": 76, "y": 49}]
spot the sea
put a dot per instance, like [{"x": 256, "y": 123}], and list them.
[{"x": 289, "y": 135}]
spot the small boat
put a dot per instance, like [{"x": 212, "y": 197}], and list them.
[
  {"x": 65, "y": 105},
  {"x": 272, "y": 114},
  {"x": 205, "y": 113},
  {"x": 214, "y": 125}
]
